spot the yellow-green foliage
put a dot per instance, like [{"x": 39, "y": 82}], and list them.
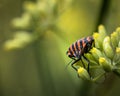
[{"x": 37, "y": 18}]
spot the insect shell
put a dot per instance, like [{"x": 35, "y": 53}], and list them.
[{"x": 79, "y": 48}]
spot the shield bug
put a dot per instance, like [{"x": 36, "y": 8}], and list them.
[{"x": 77, "y": 50}]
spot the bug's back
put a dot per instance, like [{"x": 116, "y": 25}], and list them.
[{"x": 81, "y": 46}]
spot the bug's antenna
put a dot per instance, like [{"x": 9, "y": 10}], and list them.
[{"x": 68, "y": 64}]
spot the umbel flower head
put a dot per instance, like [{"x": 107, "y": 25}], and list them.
[{"x": 104, "y": 56}]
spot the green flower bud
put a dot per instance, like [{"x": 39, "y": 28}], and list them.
[
  {"x": 92, "y": 59},
  {"x": 105, "y": 64},
  {"x": 98, "y": 41},
  {"x": 117, "y": 56},
  {"x": 30, "y": 7},
  {"x": 82, "y": 72},
  {"x": 52, "y": 3},
  {"x": 118, "y": 31},
  {"x": 23, "y": 22},
  {"x": 102, "y": 31},
  {"x": 114, "y": 39},
  {"x": 99, "y": 37},
  {"x": 107, "y": 47},
  {"x": 37, "y": 10},
  {"x": 96, "y": 53},
  {"x": 118, "y": 50},
  {"x": 42, "y": 6},
  {"x": 20, "y": 40}
]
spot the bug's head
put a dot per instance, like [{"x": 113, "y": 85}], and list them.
[{"x": 90, "y": 44}]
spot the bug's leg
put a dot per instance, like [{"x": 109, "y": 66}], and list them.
[
  {"x": 73, "y": 58},
  {"x": 88, "y": 63},
  {"x": 70, "y": 62},
  {"x": 83, "y": 63},
  {"x": 74, "y": 63}
]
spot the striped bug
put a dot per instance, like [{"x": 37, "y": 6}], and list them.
[{"x": 77, "y": 50}]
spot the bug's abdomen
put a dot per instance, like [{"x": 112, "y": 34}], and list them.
[{"x": 75, "y": 50}]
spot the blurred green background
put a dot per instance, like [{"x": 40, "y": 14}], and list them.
[{"x": 38, "y": 69}]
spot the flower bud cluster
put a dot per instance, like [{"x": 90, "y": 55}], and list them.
[
  {"x": 105, "y": 54},
  {"x": 37, "y": 18}
]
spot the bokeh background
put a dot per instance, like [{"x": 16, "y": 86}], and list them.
[{"x": 39, "y": 68}]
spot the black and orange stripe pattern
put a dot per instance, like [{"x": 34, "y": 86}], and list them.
[{"x": 79, "y": 48}]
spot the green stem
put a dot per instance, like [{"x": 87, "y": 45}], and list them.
[{"x": 46, "y": 82}]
